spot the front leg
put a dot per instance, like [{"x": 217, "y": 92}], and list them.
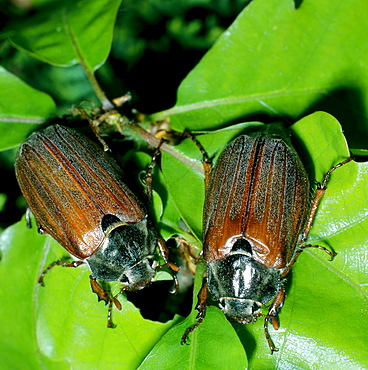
[
  {"x": 201, "y": 308},
  {"x": 273, "y": 317},
  {"x": 62, "y": 262},
  {"x": 103, "y": 295},
  {"x": 320, "y": 191},
  {"x": 165, "y": 255}
]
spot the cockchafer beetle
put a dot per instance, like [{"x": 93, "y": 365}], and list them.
[
  {"x": 257, "y": 216},
  {"x": 74, "y": 190}
]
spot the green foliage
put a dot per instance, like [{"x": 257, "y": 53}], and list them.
[
  {"x": 22, "y": 109},
  {"x": 62, "y": 324},
  {"x": 274, "y": 63},
  {"x": 192, "y": 357},
  {"x": 74, "y": 32},
  {"x": 308, "y": 319}
]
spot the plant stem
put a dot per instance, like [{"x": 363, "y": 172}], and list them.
[
  {"x": 152, "y": 140},
  {"x": 106, "y": 104}
]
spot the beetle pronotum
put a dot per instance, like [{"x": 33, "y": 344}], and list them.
[{"x": 257, "y": 216}]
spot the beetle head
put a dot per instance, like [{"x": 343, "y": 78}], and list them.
[
  {"x": 126, "y": 253},
  {"x": 241, "y": 310},
  {"x": 241, "y": 284}
]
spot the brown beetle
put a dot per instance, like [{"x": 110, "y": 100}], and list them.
[
  {"x": 257, "y": 216},
  {"x": 76, "y": 194}
]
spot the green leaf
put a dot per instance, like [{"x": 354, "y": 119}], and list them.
[
  {"x": 203, "y": 352},
  {"x": 3, "y": 199},
  {"x": 202, "y": 349},
  {"x": 62, "y": 325},
  {"x": 274, "y": 61},
  {"x": 323, "y": 319},
  {"x": 68, "y": 34},
  {"x": 278, "y": 61},
  {"x": 22, "y": 109}
]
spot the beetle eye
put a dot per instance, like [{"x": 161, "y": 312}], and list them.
[
  {"x": 256, "y": 307},
  {"x": 242, "y": 245},
  {"x": 124, "y": 279},
  {"x": 108, "y": 220}
]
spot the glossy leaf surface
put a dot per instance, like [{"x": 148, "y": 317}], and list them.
[
  {"x": 62, "y": 322},
  {"x": 276, "y": 61},
  {"x": 22, "y": 109},
  {"x": 69, "y": 33},
  {"x": 315, "y": 308},
  {"x": 202, "y": 352}
]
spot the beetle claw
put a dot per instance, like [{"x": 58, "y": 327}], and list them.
[{"x": 101, "y": 293}]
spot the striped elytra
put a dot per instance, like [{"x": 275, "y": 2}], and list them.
[
  {"x": 259, "y": 191},
  {"x": 258, "y": 212},
  {"x": 74, "y": 190}
]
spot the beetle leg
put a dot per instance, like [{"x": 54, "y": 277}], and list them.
[
  {"x": 268, "y": 337},
  {"x": 94, "y": 123},
  {"x": 206, "y": 161},
  {"x": 273, "y": 317},
  {"x": 189, "y": 253},
  {"x": 61, "y": 262},
  {"x": 161, "y": 243},
  {"x": 300, "y": 250},
  {"x": 321, "y": 189},
  {"x": 201, "y": 308},
  {"x": 103, "y": 295},
  {"x": 331, "y": 254},
  {"x": 165, "y": 255},
  {"x": 110, "y": 324},
  {"x": 28, "y": 218},
  {"x": 148, "y": 177}
]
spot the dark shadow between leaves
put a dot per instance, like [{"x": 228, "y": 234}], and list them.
[
  {"x": 153, "y": 72},
  {"x": 298, "y": 3},
  {"x": 306, "y": 159},
  {"x": 347, "y": 106},
  {"x": 157, "y": 304}
]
